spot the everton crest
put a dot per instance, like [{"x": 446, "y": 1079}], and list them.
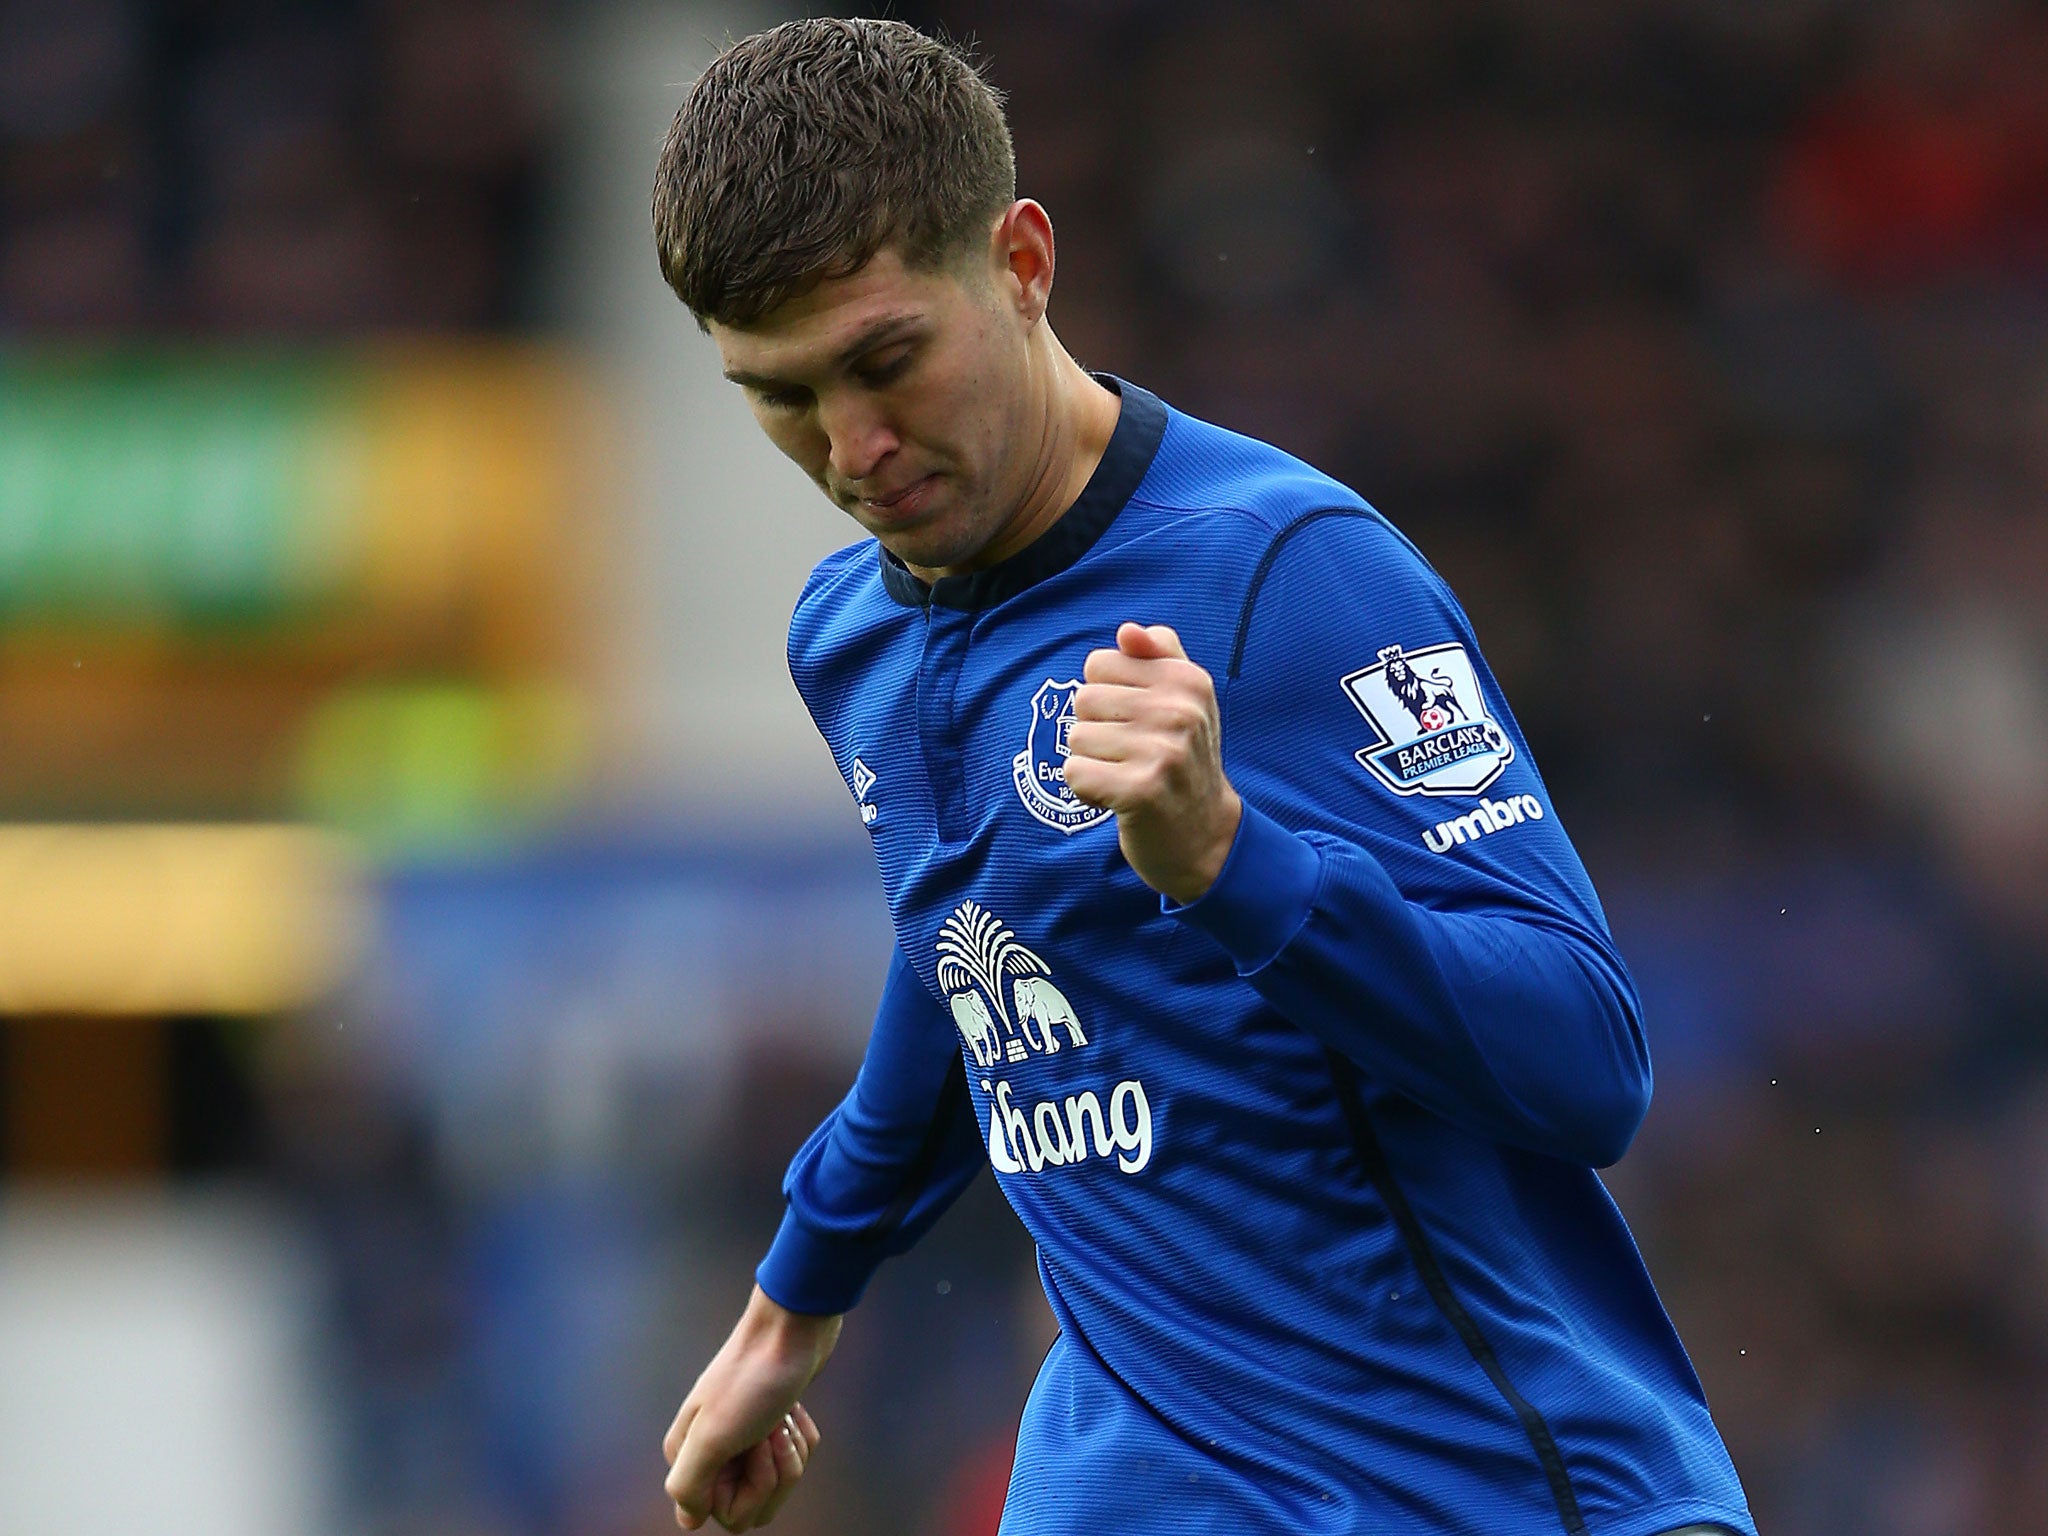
[
  {"x": 1435, "y": 735},
  {"x": 1040, "y": 770}
]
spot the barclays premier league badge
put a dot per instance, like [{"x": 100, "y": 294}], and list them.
[
  {"x": 1040, "y": 770},
  {"x": 1435, "y": 735}
]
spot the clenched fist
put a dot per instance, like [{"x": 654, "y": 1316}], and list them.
[{"x": 1147, "y": 744}]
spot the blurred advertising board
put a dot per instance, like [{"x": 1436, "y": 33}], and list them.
[
  {"x": 199, "y": 489},
  {"x": 222, "y": 571}
]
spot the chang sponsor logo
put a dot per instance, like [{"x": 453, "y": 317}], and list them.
[
  {"x": 1057, "y": 1133},
  {"x": 1008, "y": 1011},
  {"x": 1492, "y": 816}
]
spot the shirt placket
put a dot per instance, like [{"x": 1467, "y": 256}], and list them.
[{"x": 944, "y": 657}]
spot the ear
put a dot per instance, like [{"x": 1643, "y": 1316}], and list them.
[{"x": 1020, "y": 247}]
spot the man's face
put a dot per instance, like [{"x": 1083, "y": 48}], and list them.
[{"x": 901, "y": 393}]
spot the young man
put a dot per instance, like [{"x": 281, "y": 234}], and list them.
[{"x": 1234, "y": 924}]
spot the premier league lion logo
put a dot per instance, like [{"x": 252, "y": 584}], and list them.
[
  {"x": 1040, "y": 770},
  {"x": 1435, "y": 735},
  {"x": 1432, "y": 700}
]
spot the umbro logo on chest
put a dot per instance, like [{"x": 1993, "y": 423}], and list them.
[{"x": 860, "y": 778}]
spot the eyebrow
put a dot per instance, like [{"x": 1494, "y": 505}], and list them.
[{"x": 876, "y": 333}]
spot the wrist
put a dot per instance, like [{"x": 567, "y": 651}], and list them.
[
  {"x": 1263, "y": 896},
  {"x": 769, "y": 1324},
  {"x": 1204, "y": 871}
]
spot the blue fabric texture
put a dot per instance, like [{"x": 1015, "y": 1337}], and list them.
[{"x": 1310, "y": 1160}]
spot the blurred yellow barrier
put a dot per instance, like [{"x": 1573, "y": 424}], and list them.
[{"x": 174, "y": 919}]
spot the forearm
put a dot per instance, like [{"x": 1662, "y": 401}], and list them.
[
  {"x": 1510, "y": 1025},
  {"x": 884, "y": 1165}
]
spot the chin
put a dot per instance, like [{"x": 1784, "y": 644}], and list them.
[
  {"x": 938, "y": 544},
  {"x": 932, "y": 549}
]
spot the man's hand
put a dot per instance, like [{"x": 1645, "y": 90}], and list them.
[
  {"x": 741, "y": 1440},
  {"x": 1147, "y": 744}
]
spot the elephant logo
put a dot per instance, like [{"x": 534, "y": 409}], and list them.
[
  {"x": 1040, "y": 1002},
  {"x": 1000, "y": 992},
  {"x": 1040, "y": 770},
  {"x": 970, "y": 1013},
  {"x": 1435, "y": 736}
]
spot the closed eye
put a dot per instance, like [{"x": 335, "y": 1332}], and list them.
[{"x": 881, "y": 375}]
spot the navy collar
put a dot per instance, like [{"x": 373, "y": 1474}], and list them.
[{"x": 1139, "y": 427}]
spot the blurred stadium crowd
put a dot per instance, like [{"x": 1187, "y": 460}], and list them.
[
  {"x": 250, "y": 169},
  {"x": 1702, "y": 346}
]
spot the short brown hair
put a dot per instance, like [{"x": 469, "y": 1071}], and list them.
[{"x": 803, "y": 150}]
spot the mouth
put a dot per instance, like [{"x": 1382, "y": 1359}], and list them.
[{"x": 901, "y": 504}]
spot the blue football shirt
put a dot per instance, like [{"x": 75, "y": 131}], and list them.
[{"x": 1309, "y": 1161}]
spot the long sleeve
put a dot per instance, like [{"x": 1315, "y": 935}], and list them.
[
  {"x": 884, "y": 1165},
  {"x": 1516, "y": 1031},
  {"x": 1446, "y": 942}
]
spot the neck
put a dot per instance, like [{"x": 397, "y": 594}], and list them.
[{"x": 1072, "y": 418}]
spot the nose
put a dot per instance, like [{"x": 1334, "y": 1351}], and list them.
[{"x": 860, "y": 435}]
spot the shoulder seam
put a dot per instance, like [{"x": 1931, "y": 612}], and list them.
[
  {"x": 1196, "y": 505},
  {"x": 841, "y": 561},
  {"x": 844, "y": 564},
  {"x": 1265, "y": 568}
]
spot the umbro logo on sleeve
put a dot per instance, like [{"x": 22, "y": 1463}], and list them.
[{"x": 1492, "y": 816}]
